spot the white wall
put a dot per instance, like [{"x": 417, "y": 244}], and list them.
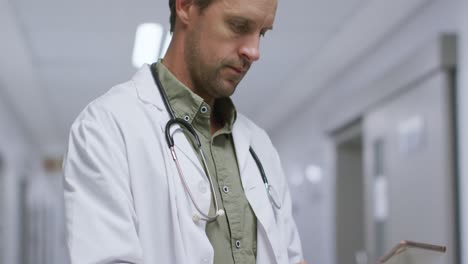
[
  {"x": 15, "y": 153},
  {"x": 303, "y": 139},
  {"x": 13, "y": 140}
]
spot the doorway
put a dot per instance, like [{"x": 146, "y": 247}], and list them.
[{"x": 350, "y": 207}]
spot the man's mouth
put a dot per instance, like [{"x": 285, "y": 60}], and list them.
[{"x": 238, "y": 70}]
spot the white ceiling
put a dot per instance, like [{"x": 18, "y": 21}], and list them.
[{"x": 65, "y": 53}]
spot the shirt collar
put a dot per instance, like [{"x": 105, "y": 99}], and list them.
[{"x": 191, "y": 107}]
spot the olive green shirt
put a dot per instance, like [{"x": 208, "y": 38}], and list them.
[{"x": 234, "y": 235}]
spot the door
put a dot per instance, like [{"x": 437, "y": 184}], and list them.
[
  {"x": 350, "y": 239},
  {"x": 2, "y": 210},
  {"x": 409, "y": 164}
]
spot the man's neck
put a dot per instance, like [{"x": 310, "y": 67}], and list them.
[
  {"x": 175, "y": 63},
  {"x": 214, "y": 125},
  {"x": 174, "y": 60}
]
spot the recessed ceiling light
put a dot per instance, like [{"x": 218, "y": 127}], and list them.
[
  {"x": 313, "y": 174},
  {"x": 167, "y": 41},
  {"x": 148, "y": 40}
]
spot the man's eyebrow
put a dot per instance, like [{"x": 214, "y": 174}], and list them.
[
  {"x": 240, "y": 18},
  {"x": 247, "y": 20}
]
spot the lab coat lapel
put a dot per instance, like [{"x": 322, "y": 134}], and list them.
[
  {"x": 241, "y": 137},
  {"x": 146, "y": 88},
  {"x": 253, "y": 186},
  {"x": 250, "y": 175},
  {"x": 183, "y": 145},
  {"x": 148, "y": 92},
  {"x": 191, "y": 168}
]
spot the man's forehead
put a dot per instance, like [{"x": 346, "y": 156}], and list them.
[
  {"x": 269, "y": 4},
  {"x": 253, "y": 9}
]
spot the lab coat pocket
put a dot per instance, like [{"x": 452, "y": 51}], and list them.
[{"x": 266, "y": 217}]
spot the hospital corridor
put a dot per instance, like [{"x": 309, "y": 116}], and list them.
[{"x": 346, "y": 142}]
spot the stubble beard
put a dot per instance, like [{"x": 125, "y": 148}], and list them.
[{"x": 206, "y": 78}]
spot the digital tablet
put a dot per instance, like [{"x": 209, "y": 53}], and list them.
[{"x": 410, "y": 252}]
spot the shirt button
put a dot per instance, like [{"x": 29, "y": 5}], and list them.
[
  {"x": 202, "y": 187},
  {"x": 204, "y": 109},
  {"x": 205, "y": 261},
  {"x": 238, "y": 244},
  {"x": 225, "y": 189}
]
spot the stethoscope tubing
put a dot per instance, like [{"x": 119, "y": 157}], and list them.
[{"x": 170, "y": 142}]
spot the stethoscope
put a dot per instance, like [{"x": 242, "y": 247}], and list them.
[{"x": 191, "y": 131}]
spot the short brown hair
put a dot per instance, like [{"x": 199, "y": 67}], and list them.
[{"x": 202, "y": 4}]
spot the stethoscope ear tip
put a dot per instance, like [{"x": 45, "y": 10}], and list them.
[{"x": 220, "y": 212}]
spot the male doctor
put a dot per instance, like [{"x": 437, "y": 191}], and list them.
[{"x": 129, "y": 201}]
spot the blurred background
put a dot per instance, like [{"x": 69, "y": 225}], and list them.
[{"x": 366, "y": 101}]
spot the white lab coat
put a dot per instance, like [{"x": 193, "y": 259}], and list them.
[{"x": 125, "y": 202}]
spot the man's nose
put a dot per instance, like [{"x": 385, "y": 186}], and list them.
[{"x": 250, "y": 49}]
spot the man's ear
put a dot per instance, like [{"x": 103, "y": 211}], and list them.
[{"x": 184, "y": 10}]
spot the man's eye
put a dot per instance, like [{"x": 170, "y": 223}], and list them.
[{"x": 239, "y": 27}]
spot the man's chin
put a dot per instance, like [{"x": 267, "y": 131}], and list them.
[
  {"x": 225, "y": 90},
  {"x": 230, "y": 86}
]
